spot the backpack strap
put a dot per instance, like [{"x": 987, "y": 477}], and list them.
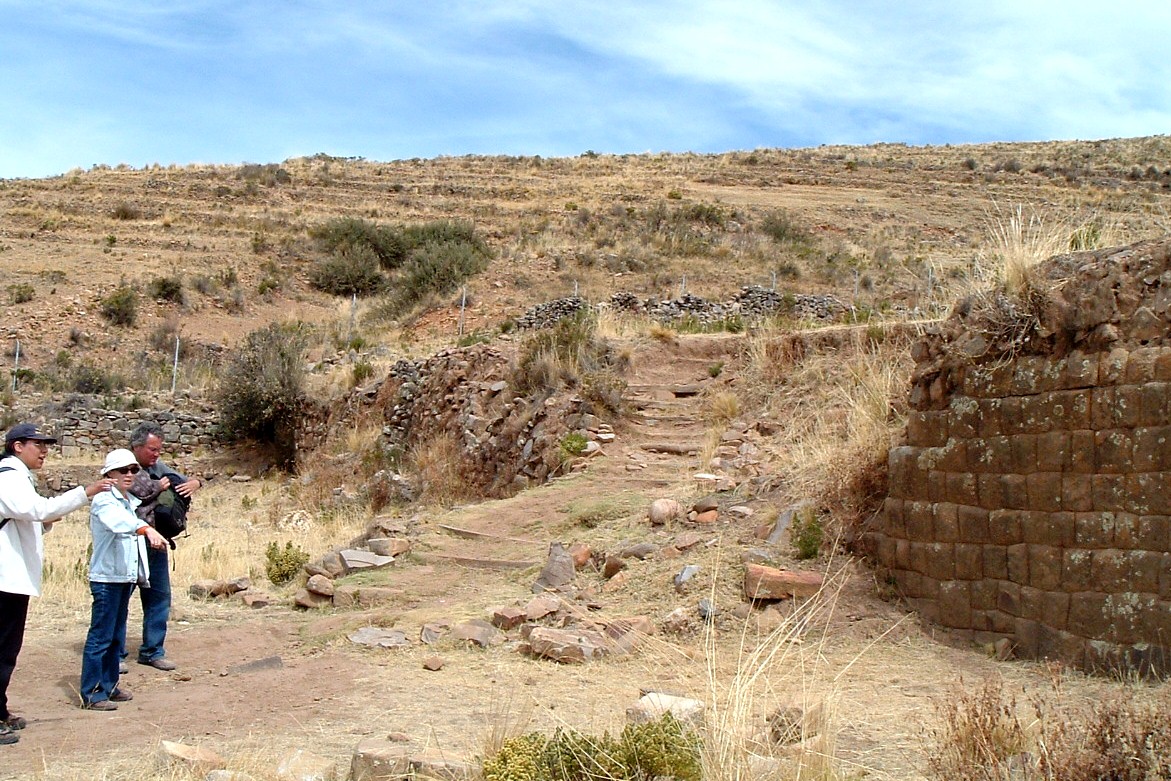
[{"x": 3, "y": 469}]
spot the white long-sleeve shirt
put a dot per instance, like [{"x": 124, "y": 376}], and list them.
[{"x": 22, "y": 550}]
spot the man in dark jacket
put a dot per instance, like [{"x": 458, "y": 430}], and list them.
[{"x": 146, "y": 442}]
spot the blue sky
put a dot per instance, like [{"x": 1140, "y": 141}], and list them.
[{"x": 230, "y": 81}]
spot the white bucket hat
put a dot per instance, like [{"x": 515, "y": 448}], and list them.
[{"x": 116, "y": 459}]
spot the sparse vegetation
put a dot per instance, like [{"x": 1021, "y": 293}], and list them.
[
  {"x": 121, "y": 306},
  {"x": 21, "y": 293},
  {"x": 168, "y": 288}
]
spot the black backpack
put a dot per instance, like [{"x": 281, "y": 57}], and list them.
[{"x": 170, "y": 513}]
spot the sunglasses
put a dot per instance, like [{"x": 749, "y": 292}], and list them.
[{"x": 126, "y": 470}]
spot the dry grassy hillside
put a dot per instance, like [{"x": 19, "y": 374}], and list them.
[
  {"x": 889, "y": 226},
  {"x": 213, "y": 253}
]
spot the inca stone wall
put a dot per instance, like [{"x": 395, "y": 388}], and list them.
[{"x": 1032, "y": 497}]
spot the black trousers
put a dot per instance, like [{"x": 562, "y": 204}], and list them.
[{"x": 13, "y": 614}]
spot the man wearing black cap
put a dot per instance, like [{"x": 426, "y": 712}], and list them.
[{"x": 24, "y": 517}]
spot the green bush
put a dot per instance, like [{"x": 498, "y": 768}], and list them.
[
  {"x": 783, "y": 229},
  {"x": 87, "y": 378},
  {"x": 573, "y": 444},
  {"x": 663, "y": 749},
  {"x": 121, "y": 306},
  {"x": 352, "y": 272},
  {"x": 282, "y": 565},
  {"x": 807, "y": 534},
  {"x": 21, "y": 293},
  {"x": 362, "y": 371},
  {"x": 348, "y": 233},
  {"x": 260, "y": 393},
  {"x": 434, "y": 269},
  {"x": 166, "y": 289}
]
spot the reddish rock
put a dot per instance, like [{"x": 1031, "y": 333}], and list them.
[
  {"x": 507, "y": 618},
  {"x": 580, "y": 553},
  {"x": 761, "y": 582},
  {"x": 707, "y": 517}
]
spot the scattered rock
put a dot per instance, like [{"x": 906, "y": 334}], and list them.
[
  {"x": 195, "y": 759},
  {"x": 612, "y": 567},
  {"x": 307, "y": 599},
  {"x": 301, "y": 765},
  {"x": 319, "y": 584},
  {"x": 380, "y": 637},
  {"x": 558, "y": 571},
  {"x": 663, "y": 511},
  {"x": 362, "y": 559},
  {"x": 567, "y": 646},
  {"x": 477, "y": 632},
  {"x": 228, "y": 775},
  {"x": 755, "y": 556},
  {"x": 640, "y": 551},
  {"x": 388, "y": 546},
  {"x": 331, "y": 565},
  {"x": 382, "y": 760},
  {"x": 540, "y": 606},
  {"x": 684, "y": 575},
  {"x": 433, "y": 664},
  {"x": 581, "y": 553},
  {"x": 687, "y": 540},
  {"x": 707, "y": 517},
  {"x": 202, "y": 589},
  {"x": 654, "y": 705},
  {"x": 431, "y": 632},
  {"x": 506, "y": 618},
  {"x": 707, "y": 611}
]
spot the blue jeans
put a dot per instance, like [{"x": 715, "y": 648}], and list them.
[
  {"x": 156, "y": 606},
  {"x": 103, "y": 643}
]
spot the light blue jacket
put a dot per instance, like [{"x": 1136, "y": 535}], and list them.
[{"x": 114, "y": 527}]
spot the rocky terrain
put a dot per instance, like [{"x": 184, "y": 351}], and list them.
[{"x": 660, "y": 556}]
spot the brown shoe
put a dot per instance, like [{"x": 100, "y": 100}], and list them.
[
  {"x": 99, "y": 705},
  {"x": 121, "y": 695},
  {"x": 162, "y": 663}
]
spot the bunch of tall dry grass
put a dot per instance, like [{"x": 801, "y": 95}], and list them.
[
  {"x": 982, "y": 735},
  {"x": 838, "y": 411}
]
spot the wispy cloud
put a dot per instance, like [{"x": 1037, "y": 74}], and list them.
[{"x": 210, "y": 80}]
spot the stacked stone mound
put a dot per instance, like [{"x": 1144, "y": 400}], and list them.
[
  {"x": 754, "y": 301},
  {"x": 549, "y": 313},
  {"x": 1032, "y": 499},
  {"x": 507, "y": 442}
]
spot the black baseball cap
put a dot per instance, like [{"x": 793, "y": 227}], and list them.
[{"x": 27, "y": 431}]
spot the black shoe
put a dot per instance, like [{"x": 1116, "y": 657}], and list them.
[
  {"x": 14, "y": 722},
  {"x": 7, "y": 736}
]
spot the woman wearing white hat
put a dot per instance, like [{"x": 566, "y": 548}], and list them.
[{"x": 117, "y": 564}]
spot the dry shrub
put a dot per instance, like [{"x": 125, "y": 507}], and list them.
[
  {"x": 435, "y": 462},
  {"x": 721, "y": 407},
  {"x": 1121, "y": 740},
  {"x": 979, "y": 736}
]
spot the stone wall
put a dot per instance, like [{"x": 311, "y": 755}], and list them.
[
  {"x": 85, "y": 428},
  {"x": 1032, "y": 497}
]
